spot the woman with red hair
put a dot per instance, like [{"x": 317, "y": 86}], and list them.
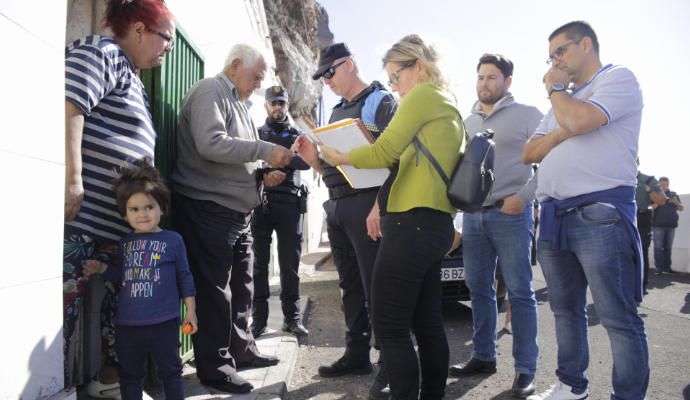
[{"x": 107, "y": 123}]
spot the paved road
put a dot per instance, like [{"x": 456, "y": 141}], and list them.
[{"x": 666, "y": 311}]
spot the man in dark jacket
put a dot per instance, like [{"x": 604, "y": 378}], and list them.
[
  {"x": 352, "y": 215},
  {"x": 664, "y": 227},
  {"x": 279, "y": 211}
]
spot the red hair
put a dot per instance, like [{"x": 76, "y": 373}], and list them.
[{"x": 120, "y": 14}]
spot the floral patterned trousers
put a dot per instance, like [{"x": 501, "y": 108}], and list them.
[{"x": 77, "y": 248}]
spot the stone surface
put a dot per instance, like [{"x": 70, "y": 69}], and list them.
[{"x": 299, "y": 29}]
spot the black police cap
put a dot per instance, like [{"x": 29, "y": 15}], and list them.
[
  {"x": 276, "y": 93},
  {"x": 330, "y": 54}
]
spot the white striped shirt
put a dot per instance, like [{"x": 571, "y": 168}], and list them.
[{"x": 118, "y": 127}]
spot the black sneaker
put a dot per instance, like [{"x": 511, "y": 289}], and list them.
[
  {"x": 342, "y": 367},
  {"x": 230, "y": 384},
  {"x": 380, "y": 390}
]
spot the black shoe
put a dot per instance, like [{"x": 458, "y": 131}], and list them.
[
  {"x": 230, "y": 384},
  {"x": 523, "y": 385},
  {"x": 380, "y": 390},
  {"x": 473, "y": 367},
  {"x": 258, "y": 329},
  {"x": 295, "y": 327},
  {"x": 342, "y": 367},
  {"x": 260, "y": 361}
]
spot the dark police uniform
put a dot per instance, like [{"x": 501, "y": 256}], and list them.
[
  {"x": 278, "y": 211},
  {"x": 353, "y": 250}
]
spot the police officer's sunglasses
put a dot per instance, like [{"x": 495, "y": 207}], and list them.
[
  {"x": 328, "y": 74},
  {"x": 278, "y": 103}
]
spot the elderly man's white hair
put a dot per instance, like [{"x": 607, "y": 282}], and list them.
[{"x": 248, "y": 54}]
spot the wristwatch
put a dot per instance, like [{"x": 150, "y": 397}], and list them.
[{"x": 556, "y": 87}]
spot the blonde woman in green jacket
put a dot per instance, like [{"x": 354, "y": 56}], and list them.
[{"x": 416, "y": 219}]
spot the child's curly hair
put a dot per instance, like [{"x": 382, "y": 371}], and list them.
[{"x": 142, "y": 177}]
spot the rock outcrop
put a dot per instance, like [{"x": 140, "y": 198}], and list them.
[{"x": 299, "y": 29}]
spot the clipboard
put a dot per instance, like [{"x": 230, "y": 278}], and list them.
[{"x": 344, "y": 136}]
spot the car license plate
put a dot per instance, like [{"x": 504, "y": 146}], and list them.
[{"x": 452, "y": 274}]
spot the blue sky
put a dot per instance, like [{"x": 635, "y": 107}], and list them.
[{"x": 650, "y": 38}]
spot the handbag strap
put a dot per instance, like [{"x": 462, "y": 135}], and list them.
[{"x": 419, "y": 146}]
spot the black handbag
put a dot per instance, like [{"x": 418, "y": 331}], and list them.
[{"x": 473, "y": 175}]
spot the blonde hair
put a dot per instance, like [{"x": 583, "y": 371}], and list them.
[{"x": 412, "y": 48}]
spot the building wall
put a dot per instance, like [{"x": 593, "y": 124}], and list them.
[
  {"x": 681, "y": 242},
  {"x": 31, "y": 172}
]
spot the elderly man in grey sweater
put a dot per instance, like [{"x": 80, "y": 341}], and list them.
[
  {"x": 216, "y": 185},
  {"x": 502, "y": 231}
]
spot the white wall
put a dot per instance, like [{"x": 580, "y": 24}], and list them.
[
  {"x": 31, "y": 174},
  {"x": 681, "y": 243}
]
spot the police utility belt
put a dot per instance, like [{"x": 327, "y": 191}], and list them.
[
  {"x": 300, "y": 198},
  {"x": 338, "y": 192},
  {"x": 280, "y": 197}
]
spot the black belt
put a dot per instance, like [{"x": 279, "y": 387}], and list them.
[
  {"x": 338, "y": 192},
  {"x": 644, "y": 212},
  {"x": 498, "y": 204}
]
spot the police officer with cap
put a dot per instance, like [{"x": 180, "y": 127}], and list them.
[
  {"x": 280, "y": 211},
  {"x": 352, "y": 215}
]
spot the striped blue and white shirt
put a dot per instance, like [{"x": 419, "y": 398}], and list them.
[{"x": 118, "y": 127}]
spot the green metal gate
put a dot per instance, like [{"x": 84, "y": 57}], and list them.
[{"x": 166, "y": 87}]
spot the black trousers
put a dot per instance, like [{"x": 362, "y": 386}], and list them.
[
  {"x": 644, "y": 227},
  {"x": 406, "y": 294},
  {"x": 354, "y": 254},
  {"x": 134, "y": 343},
  {"x": 219, "y": 248},
  {"x": 283, "y": 217}
]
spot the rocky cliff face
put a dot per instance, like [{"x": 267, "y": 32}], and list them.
[{"x": 299, "y": 29}]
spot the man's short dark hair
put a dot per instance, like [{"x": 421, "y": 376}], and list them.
[
  {"x": 501, "y": 62},
  {"x": 575, "y": 31},
  {"x": 665, "y": 179}
]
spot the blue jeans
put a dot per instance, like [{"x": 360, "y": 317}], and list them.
[
  {"x": 663, "y": 242},
  {"x": 599, "y": 256},
  {"x": 489, "y": 235}
]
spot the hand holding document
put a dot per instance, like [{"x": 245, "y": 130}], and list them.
[{"x": 344, "y": 136}]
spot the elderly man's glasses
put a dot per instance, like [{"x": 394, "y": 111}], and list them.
[
  {"x": 394, "y": 78},
  {"x": 169, "y": 40},
  {"x": 560, "y": 51},
  {"x": 331, "y": 71}
]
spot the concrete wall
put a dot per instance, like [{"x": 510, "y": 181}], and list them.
[
  {"x": 681, "y": 243},
  {"x": 31, "y": 173}
]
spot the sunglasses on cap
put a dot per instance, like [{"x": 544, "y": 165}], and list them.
[{"x": 328, "y": 74}]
